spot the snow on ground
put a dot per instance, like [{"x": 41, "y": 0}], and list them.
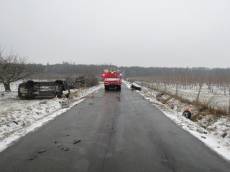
[
  {"x": 19, "y": 117},
  {"x": 14, "y": 86},
  {"x": 212, "y": 130},
  {"x": 217, "y": 99}
]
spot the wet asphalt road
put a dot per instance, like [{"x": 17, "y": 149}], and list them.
[{"x": 111, "y": 132}]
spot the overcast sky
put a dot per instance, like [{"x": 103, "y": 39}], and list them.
[{"x": 121, "y": 32}]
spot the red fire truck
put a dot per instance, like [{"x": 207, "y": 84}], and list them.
[{"x": 112, "y": 80}]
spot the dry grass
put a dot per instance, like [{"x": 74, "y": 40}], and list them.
[{"x": 203, "y": 108}]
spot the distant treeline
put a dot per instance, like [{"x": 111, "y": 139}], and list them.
[
  {"x": 14, "y": 68},
  {"x": 185, "y": 75},
  {"x": 217, "y": 76},
  {"x": 66, "y": 70},
  {"x": 158, "y": 74}
]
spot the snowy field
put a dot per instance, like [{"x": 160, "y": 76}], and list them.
[
  {"x": 216, "y": 98},
  {"x": 212, "y": 130},
  {"x": 19, "y": 117}
]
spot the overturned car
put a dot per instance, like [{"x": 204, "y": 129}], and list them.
[{"x": 44, "y": 89}]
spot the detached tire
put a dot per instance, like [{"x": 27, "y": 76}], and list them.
[{"x": 187, "y": 114}]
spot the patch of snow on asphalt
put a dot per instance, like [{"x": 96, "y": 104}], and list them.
[
  {"x": 19, "y": 117},
  {"x": 215, "y": 134}
]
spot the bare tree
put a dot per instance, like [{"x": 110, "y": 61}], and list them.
[
  {"x": 12, "y": 68},
  {"x": 200, "y": 84}
]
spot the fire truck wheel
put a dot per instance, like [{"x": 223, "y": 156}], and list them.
[
  {"x": 119, "y": 88},
  {"x": 106, "y": 88}
]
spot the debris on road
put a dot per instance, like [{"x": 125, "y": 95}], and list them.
[
  {"x": 33, "y": 157},
  {"x": 76, "y": 141},
  {"x": 42, "y": 151},
  {"x": 65, "y": 149}
]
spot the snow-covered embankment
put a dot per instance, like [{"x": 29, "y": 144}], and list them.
[
  {"x": 19, "y": 117},
  {"x": 212, "y": 130}
]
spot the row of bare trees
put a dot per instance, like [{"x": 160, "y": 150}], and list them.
[
  {"x": 184, "y": 77},
  {"x": 190, "y": 78}
]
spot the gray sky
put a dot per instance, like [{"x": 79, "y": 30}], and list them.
[{"x": 121, "y": 32}]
